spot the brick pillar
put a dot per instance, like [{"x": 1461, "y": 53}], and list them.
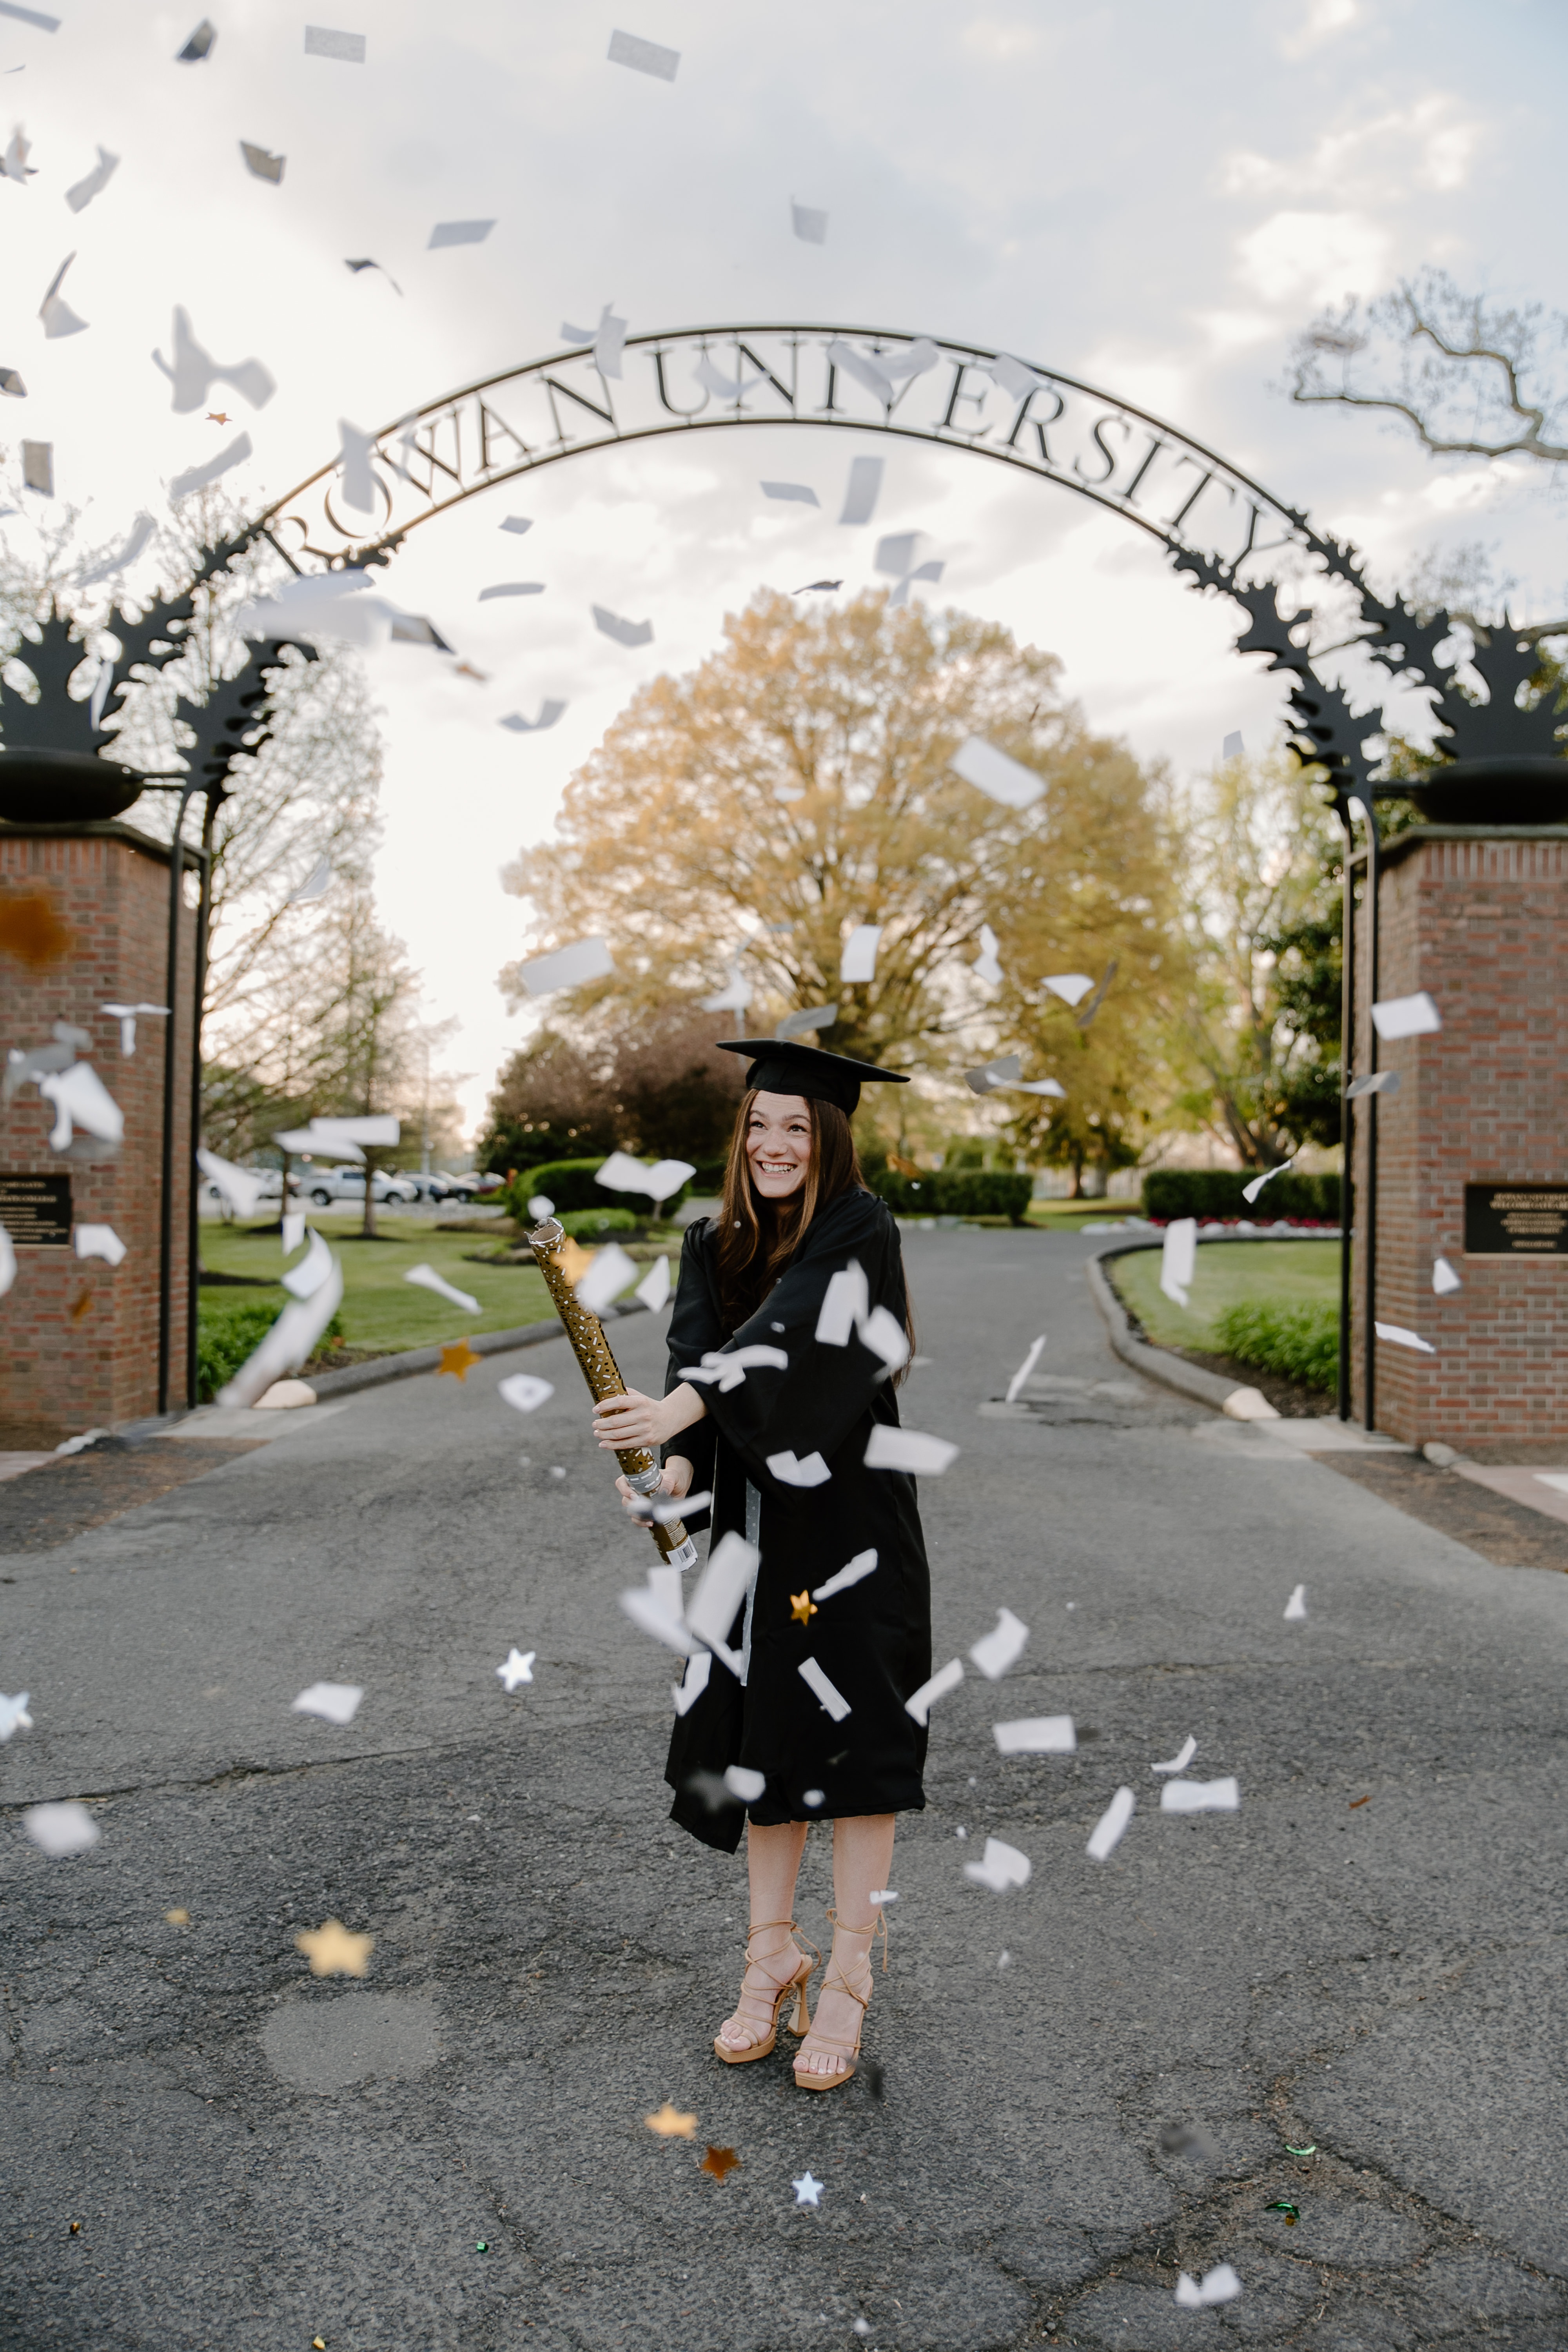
[
  {"x": 1478, "y": 915},
  {"x": 79, "y": 1340}
]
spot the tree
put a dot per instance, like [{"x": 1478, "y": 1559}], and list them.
[
  {"x": 1097, "y": 893},
  {"x": 797, "y": 785},
  {"x": 1261, "y": 969},
  {"x": 651, "y": 1084},
  {"x": 1470, "y": 378}
]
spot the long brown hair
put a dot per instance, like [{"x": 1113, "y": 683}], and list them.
[{"x": 758, "y": 1238}]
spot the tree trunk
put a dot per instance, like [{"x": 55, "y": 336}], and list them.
[{"x": 367, "y": 1229}]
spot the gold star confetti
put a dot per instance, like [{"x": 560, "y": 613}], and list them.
[
  {"x": 574, "y": 1260},
  {"x": 802, "y": 1608},
  {"x": 216, "y": 417},
  {"x": 82, "y": 1307},
  {"x": 719, "y": 2161},
  {"x": 178, "y": 1919},
  {"x": 459, "y": 1358},
  {"x": 333, "y": 1952},
  {"x": 467, "y": 669},
  {"x": 670, "y": 2124}
]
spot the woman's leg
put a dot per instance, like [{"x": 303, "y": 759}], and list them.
[
  {"x": 772, "y": 1861},
  {"x": 862, "y": 1858}
]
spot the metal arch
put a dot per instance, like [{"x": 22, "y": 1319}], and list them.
[{"x": 504, "y": 426}]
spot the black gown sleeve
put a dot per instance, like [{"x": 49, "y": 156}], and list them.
[
  {"x": 809, "y": 1403},
  {"x": 694, "y": 1329}
]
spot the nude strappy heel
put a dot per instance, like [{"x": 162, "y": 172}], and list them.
[
  {"x": 768, "y": 2003},
  {"x": 835, "y": 1980}
]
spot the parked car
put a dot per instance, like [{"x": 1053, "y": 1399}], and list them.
[
  {"x": 270, "y": 1179},
  {"x": 468, "y": 1186},
  {"x": 434, "y": 1187},
  {"x": 325, "y": 1185}
]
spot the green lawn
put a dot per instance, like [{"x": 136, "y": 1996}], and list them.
[
  {"x": 380, "y": 1309},
  {"x": 1295, "y": 1273}
]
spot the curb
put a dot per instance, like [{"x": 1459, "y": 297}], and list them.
[
  {"x": 414, "y": 1361},
  {"x": 1158, "y": 1363}
]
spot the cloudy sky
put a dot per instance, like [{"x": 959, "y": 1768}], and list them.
[{"x": 1150, "y": 197}]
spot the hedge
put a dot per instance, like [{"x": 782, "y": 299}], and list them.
[
  {"x": 1301, "y": 1343},
  {"x": 956, "y": 1192},
  {"x": 228, "y": 1341},
  {"x": 594, "y": 1225},
  {"x": 1172, "y": 1192},
  {"x": 572, "y": 1184}
]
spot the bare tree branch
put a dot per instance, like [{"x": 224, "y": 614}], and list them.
[{"x": 1457, "y": 368}]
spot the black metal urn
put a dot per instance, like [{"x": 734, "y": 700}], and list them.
[
  {"x": 1518, "y": 788},
  {"x": 39, "y": 786}
]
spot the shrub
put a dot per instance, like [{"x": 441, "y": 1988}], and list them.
[
  {"x": 224, "y": 1342},
  {"x": 573, "y": 1185},
  {"x": 1172, "y": 1192},
  {"x": 1299, "y": 1342},
  {"x": 598, "y": 1225},
  {"x": 956, "y": 1192}
]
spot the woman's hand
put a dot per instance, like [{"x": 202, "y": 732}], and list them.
[
  {"x": 675, "y": 1479},
  {"x": 623, "y": 1423}
]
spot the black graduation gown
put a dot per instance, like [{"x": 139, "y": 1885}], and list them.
[{"x": 872, "y": 1640}]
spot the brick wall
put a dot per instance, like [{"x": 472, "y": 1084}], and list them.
[
  {"x": 80, "y": 1338},
  {"x": 1480, "y": 919}
]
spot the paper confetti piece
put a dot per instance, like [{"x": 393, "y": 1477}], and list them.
[{"x": 1111, "y": 1826}]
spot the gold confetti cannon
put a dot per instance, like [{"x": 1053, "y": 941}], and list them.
[{"x": 603, "y": 1374}]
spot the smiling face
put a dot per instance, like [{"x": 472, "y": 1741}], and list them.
[{"x": 778, "y": 1144}]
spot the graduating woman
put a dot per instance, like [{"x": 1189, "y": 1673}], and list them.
[{"x": 789, "y": 1326}]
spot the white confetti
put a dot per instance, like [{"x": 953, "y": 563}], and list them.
[
  {"x": 861, "y": 1565},
  {"x": 1296, "y": 1607},
  {"x": 908, "y": 1449},
  {"x": 996, "y": 773},
  {"x": 920, "y": 1703},
  {"x": 1181, "y": 1760},
  {"x": 643, "y": 56},
  {"x": 1219, "y": 2285},
  {"x": 1395, "y": 1333},
  {"x": 427, "y": 1278},
  {"x": 1111, "y": 1826},
  {"x": 1200, "y": 1797},
  {"x": 334, "y": 1702},
  {"x": 1001, "y": 1648},
  {"x": 611, "y": 1272},
  {"x": 1025, "y": 1369},
  {"x": 1406, "y": 1016},
  {"x": 653, "y": 1290},
  {"x": 99, "y": 1241},
  {"x": 569, "y": 967},
  {"x": 14, "y": 1715},
  {"x": 999, "y": 1867},
  {"x": 742, "y": 1783},
  {"x": 1037, "y": 1735},
  {"x": 519, "y": 1668},
  {"x": 813, "y": 1471},
  {"x": 1179, "y": 1258},
  {"x": 61, "y": 1829},
  {"x": 837, "y": 1706}
]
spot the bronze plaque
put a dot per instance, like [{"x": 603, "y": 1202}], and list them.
[
  {"x": 36, "y": 1211},
  {"x": 1516, "y": 1220}
]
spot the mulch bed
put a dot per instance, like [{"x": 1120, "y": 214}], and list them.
[
  {"x": 1507, "y": 1534},
  {"x": 1291, "y": 1400},
  {"x": 46, "y": 1508}
]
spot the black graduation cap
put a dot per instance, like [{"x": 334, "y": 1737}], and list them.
[{"x": 783, "y": 1067}]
